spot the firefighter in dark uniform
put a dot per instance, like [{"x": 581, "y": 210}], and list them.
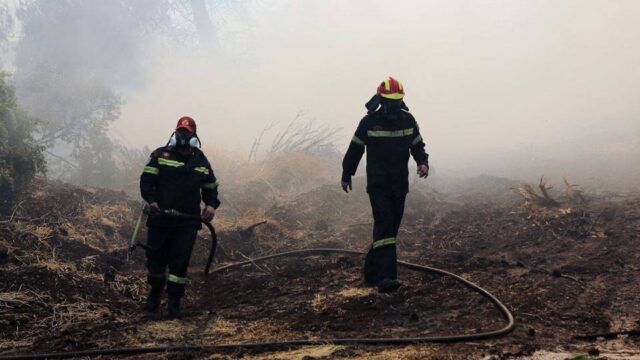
[
  {"x": 389, "y": 133},
  {"x": 178, "y": 176}
]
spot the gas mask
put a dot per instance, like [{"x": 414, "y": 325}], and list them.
[{"x": 182, "y": 138}]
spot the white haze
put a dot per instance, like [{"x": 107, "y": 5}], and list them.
[{"x": 505, "y": 87}]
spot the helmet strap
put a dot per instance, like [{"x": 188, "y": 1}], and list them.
[{"x": 172, "y": 140}]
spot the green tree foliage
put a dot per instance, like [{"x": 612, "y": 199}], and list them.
[
  {"x": 75, "y": 131},
  {"x": 74, "y": 59},
  {"x": 21, "y": 158},
  {"x": 71, "y": 58}
]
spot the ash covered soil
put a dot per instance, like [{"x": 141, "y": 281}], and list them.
[{"x": 564, "y": 269}]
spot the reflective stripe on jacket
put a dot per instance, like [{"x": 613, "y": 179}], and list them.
[
  {"x": 178, "y": 182},
  {"x": 389, "y": 137}
]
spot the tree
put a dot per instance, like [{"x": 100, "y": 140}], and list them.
[
  {"x": 71, "y": 56},
  {"x": 74, "y": 57},
  {"x": 7, "y": 26},
  {"x": 21, "y": 157},
  {"x": 203, "y": 24}
]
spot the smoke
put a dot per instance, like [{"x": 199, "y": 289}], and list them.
[
  {"x": 493, "y": 84},
  {"x": 515, "y": 88}
]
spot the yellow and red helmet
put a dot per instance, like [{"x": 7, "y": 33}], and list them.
[{"x": 391, "y": 89}]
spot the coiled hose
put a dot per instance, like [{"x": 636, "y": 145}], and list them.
[{"x": 296, "y": 343}]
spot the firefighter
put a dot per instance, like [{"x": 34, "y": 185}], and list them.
[
  {"x": 389, "y": 133},
  {"x": 178, "y": 176}
]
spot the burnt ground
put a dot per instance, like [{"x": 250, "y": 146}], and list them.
[{"x": 564, "y": 270}]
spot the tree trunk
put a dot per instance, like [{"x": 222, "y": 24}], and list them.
[{"x": 204, "y": 26}]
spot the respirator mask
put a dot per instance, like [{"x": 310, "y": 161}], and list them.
[{"x": 182, "y": 138}]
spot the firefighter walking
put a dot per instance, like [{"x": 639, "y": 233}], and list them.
[
  {"x": 389, "y": 133},
  {"x": 177, "y": 176}
]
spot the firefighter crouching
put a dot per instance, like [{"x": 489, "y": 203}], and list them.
[
  {"x": 389, "y": 134},
  {"x": 178, "y": 176}
]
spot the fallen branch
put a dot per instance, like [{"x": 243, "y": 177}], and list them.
[
  {"x": 557, "y": 273},
  {"x": 574, "y": 193},
  {"x": 532, "y": 198},
  {"x": 251, "y": 227},
  {"x": 268, "y": 272}
]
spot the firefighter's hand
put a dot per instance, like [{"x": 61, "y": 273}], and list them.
[
  {"x": 423, "y": 171},
  {"x": 208, "y": 213},
  {"x": 346, "y": 186},
  {"x": 154, "y": 205}
]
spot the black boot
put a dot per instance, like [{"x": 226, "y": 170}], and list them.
[
  {"x": 153, "y": 300},
  {"x": 388, "y": 285},
  {"x": 369, "y": 272},
  {"x": 155, "y": 294},
  {"x": 173, "y": 306}
]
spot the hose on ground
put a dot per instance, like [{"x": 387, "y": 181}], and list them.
[
  {"x": 297, "y": 343},
  {"x": 178, "y": 214}
]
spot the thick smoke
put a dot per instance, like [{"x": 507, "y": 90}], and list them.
[{"x": 508, "y": 88}]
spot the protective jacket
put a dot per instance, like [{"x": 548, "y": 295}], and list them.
[
  {"x": 178, "y": 182},
  {"x": 389, "y": 137}
]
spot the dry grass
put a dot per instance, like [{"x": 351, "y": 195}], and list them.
[
  {"x": 265, "y": 330},
  {"x": 165, "y": 331},
  {"x": 252, "y": 185},
  {"x": 57, "y": 240},
  {"x": 102, "y": 225},
  {"x": 356, "y": 292},
  {"x": 10, "y": 299},
  {"x": 321, "y": 299},
  {"x": 342, "y": 352},
  {"x": 318, "y": 302},
  {"x": 73, "y": 313},
  {"x": 209, "y": 330},
  {"x": 14, "y": 344},
  {"x": 23, "y": 304},
  {"x": 135, "y": 287},
  {"x": 222, "y": 326},
  {"x": 314, "y": 352},
  {"x": 51, "y": 246},
  {"x": 55, "y": 266}
]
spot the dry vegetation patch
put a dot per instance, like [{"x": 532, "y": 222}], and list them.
[{"x": 564, "y": 262}]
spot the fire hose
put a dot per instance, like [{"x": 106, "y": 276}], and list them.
[
  {"x": 275, "y": 345},
  {"x": 133, "y": 243}
]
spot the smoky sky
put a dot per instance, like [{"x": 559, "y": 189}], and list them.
[
  {"x": 481, "y": 77},
  {"x": 107, "y": 41},
  {"x": 491, "y": 83}
]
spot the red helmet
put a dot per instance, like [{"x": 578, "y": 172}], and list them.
[
  {"x": 391, "y": 89},
  {"x": 188, "y": 123}
]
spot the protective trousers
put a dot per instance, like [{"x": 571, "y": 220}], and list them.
[
  {"x": 381, "y": 260},
  {"x": 172, "y": 247}
]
